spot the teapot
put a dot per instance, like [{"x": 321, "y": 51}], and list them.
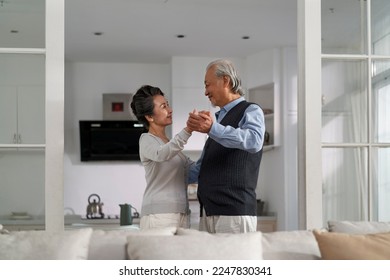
[{"x": 94, "y": 208}]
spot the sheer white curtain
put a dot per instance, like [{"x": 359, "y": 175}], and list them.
[
  {"x": 358, "y": 125},
  {"x": 345, "y": 194},
  {"x": 382, "y": 162}
]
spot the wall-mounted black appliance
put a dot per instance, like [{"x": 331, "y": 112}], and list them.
[{"x": 110, "y": 140}]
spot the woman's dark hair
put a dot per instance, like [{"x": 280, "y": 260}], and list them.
[{"x": 142, "y": 104}]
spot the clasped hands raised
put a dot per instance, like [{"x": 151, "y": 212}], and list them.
[{"x": 200, "y": 121}]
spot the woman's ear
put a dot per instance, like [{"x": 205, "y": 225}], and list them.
[{"x": 149, "y": 118}]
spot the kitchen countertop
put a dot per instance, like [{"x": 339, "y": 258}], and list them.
[
  {"x": 78, "y": 221},
  {"x": 71, "y": 221}
]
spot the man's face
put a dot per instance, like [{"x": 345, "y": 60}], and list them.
[{"x": 214, "y": 87}]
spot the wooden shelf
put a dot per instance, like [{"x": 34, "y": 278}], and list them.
[
  {"x": 266, "y": 223},
  {"x": 267, "y": 148}
]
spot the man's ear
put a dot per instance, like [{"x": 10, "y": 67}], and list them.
[{"x": 226, "y": 81}]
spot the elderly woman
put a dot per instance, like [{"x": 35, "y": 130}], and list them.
[{"x": 165, "y": 201}]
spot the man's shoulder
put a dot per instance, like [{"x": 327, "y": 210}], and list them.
[{"x": 245, "y": 105}]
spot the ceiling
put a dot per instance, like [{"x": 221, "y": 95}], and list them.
[{"x": 145, "y": 31}]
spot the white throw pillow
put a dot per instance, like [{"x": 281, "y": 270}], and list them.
[
  {"x": 43, "y": 245},
  {"x": 358, "y": 227},
  {"x": 195, "y": 245},
  {"x": 111, "y": 244},
  {"x": 290, "y": 245}
]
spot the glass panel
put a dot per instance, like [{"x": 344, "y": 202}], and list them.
[
  {"x": 381, "y": 184},
  {"x": 22, "y": 24},
  {"x": 343, "y": 26},
  {"x": 345, "y": 189},
  {"x": 381, "y": 101},
  {"x": 344, "y": 101},
  {"x": 24, "y": 195},
  {"x": 380, "y": 27}
]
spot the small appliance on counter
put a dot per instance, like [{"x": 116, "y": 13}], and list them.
[
  {"x": 95, "y": 208},
  {"x": 260, "y": 207},
  {"x": 126, "y": 217}
]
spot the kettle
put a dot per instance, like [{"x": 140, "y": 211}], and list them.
[
  {"x": 126, "y": 218},
  {"x": 94, "y": 208}
]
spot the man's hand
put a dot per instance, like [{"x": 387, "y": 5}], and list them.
[{"x": 200, "y": 121}]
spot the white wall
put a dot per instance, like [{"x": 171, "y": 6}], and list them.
[{"x": 114, "y": 182}]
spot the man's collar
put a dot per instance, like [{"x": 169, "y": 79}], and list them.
[{"x": 233, "y": 103}]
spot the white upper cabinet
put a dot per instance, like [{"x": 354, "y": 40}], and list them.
[
  {"x": 22, "y": 99},
  {"x": 22, "y": 111},
  {"x": 31, "y": 114},
  {"x": 8, "y": 115}
]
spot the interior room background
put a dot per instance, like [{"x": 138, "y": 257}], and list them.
[{"x": 354, "y": 132}]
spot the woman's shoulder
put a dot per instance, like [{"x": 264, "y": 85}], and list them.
[{"x": 148, "y": 138}]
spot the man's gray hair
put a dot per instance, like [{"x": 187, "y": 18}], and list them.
[{"x": 224, "y": 67}]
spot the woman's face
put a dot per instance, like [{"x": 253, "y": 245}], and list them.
[{"x": 162, "y": 113}]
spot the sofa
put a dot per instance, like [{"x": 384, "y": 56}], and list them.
[{"x": 340, "y": 240}]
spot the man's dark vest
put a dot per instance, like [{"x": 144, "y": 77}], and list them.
[{"x": 228, "y": 177}]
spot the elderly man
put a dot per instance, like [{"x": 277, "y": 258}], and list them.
[{"x": 228, "y": 168}]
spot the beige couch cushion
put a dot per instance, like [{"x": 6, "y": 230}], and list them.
[
  {"x": 343, "y": 246},
  {"x": 42, "y": 245},
  {"x": 358, "y": 227},
  {"x": 111, "y": 244},
  {"x": 290, "y": 245},
  {"x": 196, "y": 245}
]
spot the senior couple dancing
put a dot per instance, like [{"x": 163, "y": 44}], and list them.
[{"x": 228, "y": 168}]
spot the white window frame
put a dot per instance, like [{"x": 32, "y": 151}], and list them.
[
  {"x": 55, "y": 84},
  {"x": 309, "y": 115}
]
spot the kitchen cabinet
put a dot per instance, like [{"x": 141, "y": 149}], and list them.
[
  {"x": 265, "y": 96},
  {"x": 22, "y": 115}
]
